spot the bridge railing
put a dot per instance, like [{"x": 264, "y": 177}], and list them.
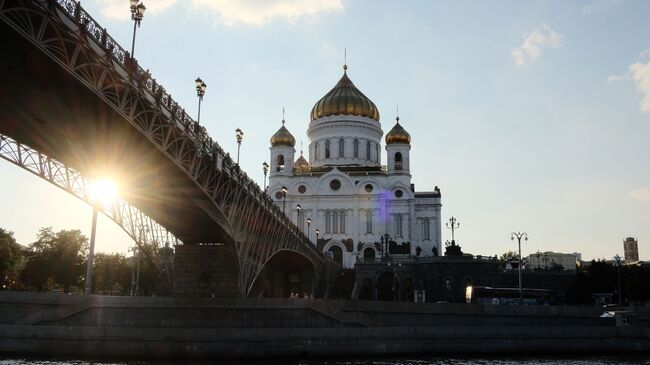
[{"x": 155, "y": 92}]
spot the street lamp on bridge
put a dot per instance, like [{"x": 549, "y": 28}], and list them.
[
  {"x": 284, "y": 197},
  {"x": 265, "y": 168},
  {"x": 519, "y": 236},
  {"x": 298, "y": 221},
  {"x": 200, "y": 91},
  {"x": 308, "y": 224},
  {"x": 317, "y": 234},
  {"x": 137, "y": 13},
  {"x": 239, "y": 135}
]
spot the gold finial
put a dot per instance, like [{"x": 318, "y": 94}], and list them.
[
  {"x": 282, "y": 115},
  {"x": 300, "y": 147},
  {"x": 397, "y": 116},
  {"x": 345, "y": 60}
]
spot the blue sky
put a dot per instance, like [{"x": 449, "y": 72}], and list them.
[{"x": 529, "y": 115}]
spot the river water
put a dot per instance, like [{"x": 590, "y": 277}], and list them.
[{"x": 395, "y": 361}]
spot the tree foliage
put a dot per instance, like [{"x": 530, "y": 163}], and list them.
[
  {"x": 11, "y": 261},
  {"x": 56, "y": 260}
]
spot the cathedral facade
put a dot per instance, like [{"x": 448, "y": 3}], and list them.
[{"x": 343, "y": 198}]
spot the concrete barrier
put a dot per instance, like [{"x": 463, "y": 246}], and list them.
[{"x": 76, "y": 325}]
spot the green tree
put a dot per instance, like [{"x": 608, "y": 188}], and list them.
[
  {"x": 56, "y": 260},
  {"x": 11, "y": 261},
  {"x": 508, "y": 255},
  {"x": 111, "y": 274}
]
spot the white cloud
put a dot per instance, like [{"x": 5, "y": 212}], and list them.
[
  {"x": 616, "y": 78},
  {"x": 259, "y": 12},
  {"x": 120, "y": 9},
  {"x": 642, "y": 195},
  {"x": 641, "y": 74},
  {"x": 644, "y": 54},
  {"x": 534, "y": 42}
]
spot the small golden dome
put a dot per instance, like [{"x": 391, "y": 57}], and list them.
[
  {"x": 398, "y": 134},
  {"x": 345, "y": 99},
  {"x": 282, "y": 137},
  {"x": 301, "y": 163}
]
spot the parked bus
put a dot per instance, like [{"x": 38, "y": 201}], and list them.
[{"x": 507, "y": 296}]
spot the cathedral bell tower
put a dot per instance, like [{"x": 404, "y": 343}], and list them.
[
  {"x": 282, "y": 152},
  {"x": 398, "y": 147}
]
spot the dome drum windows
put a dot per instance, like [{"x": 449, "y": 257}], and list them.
[
  {"x": 356, "y": 148},
  {"x": 341, "y": 148},
  {"x": 368, "y": 150},
  {"x": 327, "y": 148}
]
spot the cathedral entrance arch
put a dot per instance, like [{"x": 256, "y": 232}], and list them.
[
  {"x": 369, "y": 254},
  {"x": 337, "y": 253},
  {"x": 286, "y": 272},
  {"x": 366, "y": 290},
  {"x": 385, "y": 284}
]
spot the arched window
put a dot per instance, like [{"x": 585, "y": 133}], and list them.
[
  {"x": 280, "y": 163},
  {"x": 356, "y": 148},
  {"x": 341, "y": 148},
  {"x": 398, "y": 160},
  {"x": 327, "y": 148},
  {"x": 301, "y": 220},
  {"x": 335, "y": 222},
  {"x": 398, "y": 225},
  {"x": 328, "y": 222},
  {"x": 377, "y": 151},
  {"x": 368, "y": 221},
  {"x": 426, "y": 233},
  {"x": 315, "y": 151},
  {"x": 369, "y": 254},
  {"x": 368, "y": 150},
  {"x": 337, "y": 253},
  {"x": 342, "y": 222}
]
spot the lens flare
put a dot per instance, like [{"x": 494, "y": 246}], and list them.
[{"x": 103, "y": 191}]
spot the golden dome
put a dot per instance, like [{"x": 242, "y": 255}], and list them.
[
  {"x": 301, "y": 163},
  {"x": 398, "y": 134},
  {"x": 345, "y": 99},
  {"x": 282, "y": 137}
]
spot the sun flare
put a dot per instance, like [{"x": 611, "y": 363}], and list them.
[{"x": 103, "y": 191}]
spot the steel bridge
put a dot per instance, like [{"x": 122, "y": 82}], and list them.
[{"x": 73, "y": 102}]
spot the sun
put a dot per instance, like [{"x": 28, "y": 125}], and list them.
[{"x": 103, "y": 191}]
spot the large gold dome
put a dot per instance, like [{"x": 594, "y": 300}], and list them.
[
  {"x": 398, "y": 134},
  {"x": 345, "y": 99},
  {"x": 282, "y": 137}
]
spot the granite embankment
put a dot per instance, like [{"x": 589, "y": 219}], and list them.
[{"x": 75, "y": 325}]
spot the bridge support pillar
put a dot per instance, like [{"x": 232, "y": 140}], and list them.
[{"x": 206, "y": 270}]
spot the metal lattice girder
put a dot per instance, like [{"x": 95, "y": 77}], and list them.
[
  {"x": 141, "y": 228},
  {"x": 69, "y": 36}
]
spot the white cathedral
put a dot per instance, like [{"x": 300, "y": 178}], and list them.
[{"x": 344, "y": 199}]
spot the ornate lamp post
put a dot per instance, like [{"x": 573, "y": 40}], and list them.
[
  {"x": 308, "y": 225},
  {"x": 284, "y": 198},
  {"x": 317, "y": 234},
  {"x": 265, "y": 168},
  {"x": 453, "y": 225},
  {"x": 519, "y": 236},
  {"x": 137, "y": 13},
  {"x": 239, "y": 135},
  {"x": 200, "y": 91}
]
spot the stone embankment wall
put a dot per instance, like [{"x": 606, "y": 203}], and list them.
[{"x": 78, "y": 325}]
